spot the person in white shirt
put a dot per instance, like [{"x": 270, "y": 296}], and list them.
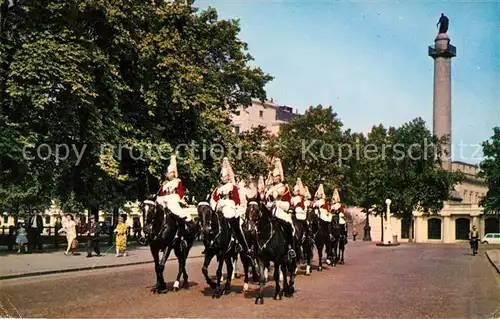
[{"x": 69, "y": 227}]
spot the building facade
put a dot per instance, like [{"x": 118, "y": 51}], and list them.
[
  {"x": 453, "y": 223},
  {"x": 267, "y": 114}
]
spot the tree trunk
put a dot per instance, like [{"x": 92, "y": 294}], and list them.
[
  {"x": 116, "y": 212},
  {"x": 410, "y": 229}
]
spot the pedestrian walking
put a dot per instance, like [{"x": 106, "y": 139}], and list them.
[
  {"x": 69, "y": 227},
  {"x": 121, "y": 238},
  {"x": 21, "y": 238},
  {"x": 93, "y": 231},
  {"x": 354, "y": 234},
  {"x": 35, "y": 229}
]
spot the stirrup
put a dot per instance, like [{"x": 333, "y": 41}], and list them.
[{"x": 292, "y": 254}]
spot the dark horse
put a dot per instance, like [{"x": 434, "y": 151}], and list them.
[
  {"x": 304, "y": 237},
  {"x": 160, "y": 231},
  {"x": 250, "y": 232},
  {"x": 340, "y": 240},
  {"x": 323, "y": 238},
  {"x": 219, "y": 242},
  {"x": 272, "y": 246}
]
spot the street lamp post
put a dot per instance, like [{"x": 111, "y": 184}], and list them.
[{"x": 367, "y": 228}]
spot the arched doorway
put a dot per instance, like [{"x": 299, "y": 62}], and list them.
[
  {"x": 462, "y": 228},
  {"x": 405, "y": 228},
  {"x": 491, "y": 225},
  {"x": 434, "y": 228}
]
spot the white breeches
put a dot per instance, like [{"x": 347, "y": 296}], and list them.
[
  {"x": 325, "y": 216},
  {"x": 228, "y": 208},
  {"x": 281, "y": 212},
  {"x": 171, "y": 202},
  {"x": 300, "y": 214},
  {"x": 342, "y": 221}
]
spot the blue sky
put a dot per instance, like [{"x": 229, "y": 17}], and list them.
[{"x": 368, "y": 59}]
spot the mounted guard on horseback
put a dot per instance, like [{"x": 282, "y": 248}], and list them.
[
  {"x": 323, "y": 208},
  {"x": 340, "y": 227},
  {"x": 339, "y": 210},
  {"x": 167, "y": 232},
  {"x": 225, "y": 199},
  {"x": 278, "y": 201},
  {"x": 171, "y": 196}
]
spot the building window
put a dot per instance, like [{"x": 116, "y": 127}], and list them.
[
  {"x": 47, "y": 219},
  {"x": 405, "y": 228},
  {"x": 5, "y": 219},
  {"x": 462, "y": 228},
  {"x": 237, "y": 129},
  {"x": 261, "y": 114},
  {"x": 492, "y": 225},
  {"x": 434, "y": 228}
]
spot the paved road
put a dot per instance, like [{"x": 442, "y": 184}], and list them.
[{"x": 409, "y": 281}]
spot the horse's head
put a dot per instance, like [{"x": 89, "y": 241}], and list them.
[
  {"x": 252, "y": 214},
  {"x": 310, "y": 214},
  {"x": 153, "y": 216},
  {"x": 204, "y": 216}
]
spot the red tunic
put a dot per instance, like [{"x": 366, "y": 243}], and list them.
[
  {"x": 179, "y": 190},
  {"x": 235, "y": 196},
  {"x": 301, "y": 203},
  {"x": 325, "y": 205},
  {"x": 286, "y": 195}
]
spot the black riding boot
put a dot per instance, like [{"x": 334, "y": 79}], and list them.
[
  {"x": 290, "y": 241},
  {"x": 238, "y": 232},
  {"x": 330, "y": 230},
  {"x": 343, "y": 230},
  {"x": 182, "y": 232}
]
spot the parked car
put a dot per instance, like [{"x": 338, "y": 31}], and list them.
[{"x": 491, "y": 238}]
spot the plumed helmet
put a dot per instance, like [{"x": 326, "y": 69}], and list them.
[
  {"x": 320, "y": 193},
  {"x": 172, "y": 168},
  {"x": 227, "y": 170}
]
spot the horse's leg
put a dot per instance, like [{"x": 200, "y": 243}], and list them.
[
  {"x": 262, "y": 282},
  {"x": 278, "y": 293},
  {"x": 180, "y": 260},
  {"x": 160, "y": 286},
  {"x": 185, "y": 283},
  {"x": 246, "y": 266},
  {"x": 287, "y": 285},
  {"x": 320, "y": 256},
  {"x": 230, "y": 268},
  {"x": 342, "y": 252},
  {"x": 309, "y": 252},
  {"x": 328, "y": 250},
  {"x": 209, "y": 255},
  {"x": 290, "y": 288},
  {"x": 218, "y": 291},
  {"x": 255, "y": 269}
]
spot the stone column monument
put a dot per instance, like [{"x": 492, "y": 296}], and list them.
[
  {"x": 388, "y": 224},
  {"x": 442, "y": 53}
]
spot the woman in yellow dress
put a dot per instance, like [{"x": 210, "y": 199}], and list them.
[{"x": 121, "y": 238}]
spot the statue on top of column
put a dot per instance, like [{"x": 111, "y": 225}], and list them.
[{"x": 443, "y": 23}]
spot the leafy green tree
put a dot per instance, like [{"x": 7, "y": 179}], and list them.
[
  {"x": 416, "y": 178},
  {"x": 123, "y": 73},
  {"x": 490, "y": 171},
  {"x": 253, "y": 158},
  {"x": 314, "y": 148}
]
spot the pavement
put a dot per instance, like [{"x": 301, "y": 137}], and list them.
[
  {"x": 494, "y": 257},
  {"x": 49, "y": 262},
  {"x": 408, "y": 281}
]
